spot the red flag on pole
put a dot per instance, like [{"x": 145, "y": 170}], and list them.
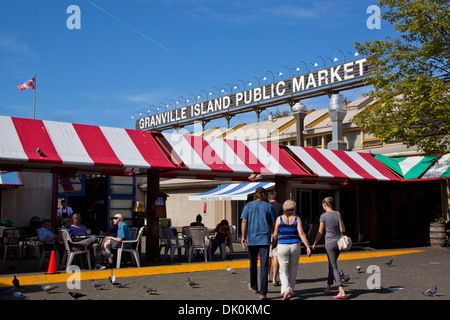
[{"x": 28, "y": 84}]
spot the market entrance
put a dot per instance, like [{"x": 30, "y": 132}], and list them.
[
  {"x": 97, "y": 198},
  {"x": 92, "y": 203}
]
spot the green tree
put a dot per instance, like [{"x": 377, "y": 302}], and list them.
[{"x": 411, "y": 84}]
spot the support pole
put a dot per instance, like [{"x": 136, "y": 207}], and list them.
[
  {"x": 281, "y": 189},
  {"x": 34, "y": 98},
  {"x": 55, "y": 201}
]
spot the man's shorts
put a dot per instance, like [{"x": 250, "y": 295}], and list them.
[
  {"x": 273, "y": 251},
  {"x": 115, "y": 244}
]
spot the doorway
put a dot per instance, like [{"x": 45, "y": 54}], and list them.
[{"x": 92, "y": 205}]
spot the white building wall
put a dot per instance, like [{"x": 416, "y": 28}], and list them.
[{"x": 33, "y": 199}]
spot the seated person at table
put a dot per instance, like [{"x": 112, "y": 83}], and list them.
[
  {"x": 115, "y": 242},
  {"x": 77, "y": 229},
  {"x": 65, "y": 224},
  {"x": 78, "y": 233},
  {"x": 49, "y": 237},
  {"x": 197, "y": 222},
  {"x": 222, "y": 231}
]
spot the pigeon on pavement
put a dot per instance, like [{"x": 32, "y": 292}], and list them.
[
  {"x": 19, "y": 295},
  {"x": 358, "y": 268},
  {"x": 346, "y": 278},
  {"x": 230, "y": 270},
  {"x": 149, "y": 290},
  {"x": 113, "y": 279},
  {"x": 96, "y": 284},
  {"x": 191, "y": 283},
  {"x": 16, "y": 282},
  {"x": 430, "y": 292},
  {"x": 47, "y": 289},
  {"x": 389, "y": 263},
  {"x": 77, "y": 295}
]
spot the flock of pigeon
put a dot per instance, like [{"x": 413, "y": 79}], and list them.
[
  {"x": 76, "y": 295},
  {"x": 96, "y": 285},
  {"x": 345, "y": 278}
]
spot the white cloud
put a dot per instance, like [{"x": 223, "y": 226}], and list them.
[
  {"x": 161, "y": 94},
  {"x": 257, "y": 11},
  {"x": 15, "y": 46}
]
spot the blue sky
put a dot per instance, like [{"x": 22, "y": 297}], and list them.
[{"x": 131, "y": 54}]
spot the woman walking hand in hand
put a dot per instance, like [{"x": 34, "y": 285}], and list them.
[
  {"x": 329, "y": 222},
  {"x": 288, "y": 232}
]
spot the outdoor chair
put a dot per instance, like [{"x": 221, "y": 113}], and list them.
[
  {"x": 32, "y": 245},
  {"x": 131, "y": 246},
  {"x": 70, "y": 251},
  {"x": 197, "y": 237},
  {"x": 134, "y": 232},
  {"x": 47, "y": 249},
  {"x": 11, "y": 242},
  {"x": 223, "y": 246},
  {"x": 170, "y": 243}
]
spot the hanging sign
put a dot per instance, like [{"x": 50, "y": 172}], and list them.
[{"x": 317, "y": 79}]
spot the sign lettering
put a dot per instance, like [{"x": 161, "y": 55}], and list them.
[{"x": 324, "y": 77}]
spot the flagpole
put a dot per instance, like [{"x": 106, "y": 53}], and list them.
[{"x": 34, "y": 99}]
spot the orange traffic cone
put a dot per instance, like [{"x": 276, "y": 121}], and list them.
[{"x": 52, "y": 264}]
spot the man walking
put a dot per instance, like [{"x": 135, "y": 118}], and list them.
[{"x": 258, "y": 220}]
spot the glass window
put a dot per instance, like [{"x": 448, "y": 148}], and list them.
[
  {"x": 327, "y": 138},
  {"x": 315, "y": 142},
  {"x": 70, "y": 185},
  {"x": 353, "y": 139}
]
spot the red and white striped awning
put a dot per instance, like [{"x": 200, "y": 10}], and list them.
[
  {"x": 334, "y": 164},
  {"x": 233, "y": 156},
  {"x": 66, "y": 147},
  {"x": 38, "y": 144}
]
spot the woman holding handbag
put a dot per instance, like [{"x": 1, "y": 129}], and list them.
[{"x": 332, "y": 224}]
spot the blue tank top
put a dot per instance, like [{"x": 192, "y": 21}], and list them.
[{"x": 288, "y": 232}]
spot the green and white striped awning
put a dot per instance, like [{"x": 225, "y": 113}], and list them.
[
  {"x": 409, "y": 167},
  {"x": 441, "y": 169}
]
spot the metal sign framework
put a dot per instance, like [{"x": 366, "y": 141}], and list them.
[{"x": 337, "y": 78}]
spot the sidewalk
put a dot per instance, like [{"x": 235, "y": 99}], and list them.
[{"x": 413, "y": 271}]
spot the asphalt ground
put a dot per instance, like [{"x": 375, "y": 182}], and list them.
[{"x": 413, "y": 271}]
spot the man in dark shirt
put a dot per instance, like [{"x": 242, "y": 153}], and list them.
[
  {"x": 258, "y": 221},
  {"x": 278, "y": 208}
]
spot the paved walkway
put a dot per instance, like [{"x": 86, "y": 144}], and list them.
[{"x": 413, "y": 271}]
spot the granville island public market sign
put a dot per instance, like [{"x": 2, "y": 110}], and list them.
[{"x": 320, "y": 78}]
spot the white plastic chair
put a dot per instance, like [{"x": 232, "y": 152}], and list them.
[
  {"x": 170, "y": 243},
  {"x": 197, "y": 237},
  {"x": 133, "y": 249},
  {"x": 32, "y": 244},
  {"x": 223, "y": 246},
  {"x": 11, "y": 241},
  {"x": 134, "y": 232},
  {"x": 69, "y": 253}
]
